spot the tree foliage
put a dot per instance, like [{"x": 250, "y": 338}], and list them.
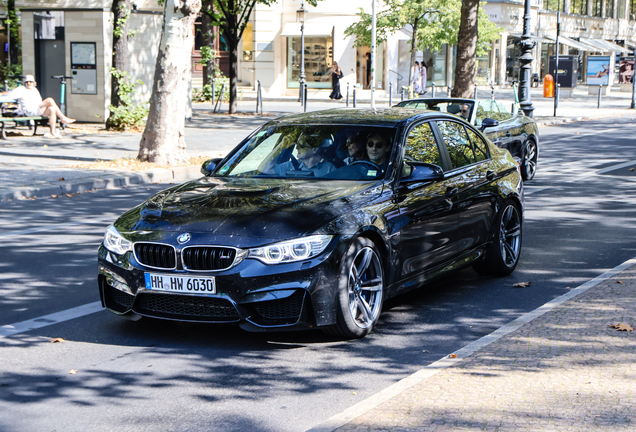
[
  {"x": 232, "y": 16},
  {"x": 433, "y": 22}
]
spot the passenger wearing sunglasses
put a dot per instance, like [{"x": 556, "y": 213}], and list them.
[
  {"x": 464, "y": 111},
  {"x": 379, "y": 151},
  {"x": 31, "y": 105}
]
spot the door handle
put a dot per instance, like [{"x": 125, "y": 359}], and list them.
[
  {"x": 450, "y": 192},
  {"x": 508, "y": 134},
  {"x": 490, "y": 175}
]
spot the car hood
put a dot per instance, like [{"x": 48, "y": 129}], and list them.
[{"x": 266, "y": 208}]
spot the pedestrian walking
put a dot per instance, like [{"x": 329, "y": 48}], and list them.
[
  {"x": 336, "y": 74},
  {"x": 424, "y": 74},
  {"x": 417, "y": 78}
]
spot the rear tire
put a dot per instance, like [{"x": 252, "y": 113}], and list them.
[
  {"x": 529, "y": 160},
  {"x": 360, "y": 291},
  {"x": 502, "y": 255}
]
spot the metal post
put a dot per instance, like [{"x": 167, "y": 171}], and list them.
[
  {"x": 433, "y": 90},
  {"x": 305, "y": 97},
  {"x": 475, "y": 95},
  {"x": 301, "y": 80},
  {"x": 556, "y": 62},
  {"x": 219, "y": 101},
  {"x": 633, "y": 105},
  {"x": 402, "y": 94},
  {"x": 6, "y": 85},
  {"x": 259, "y": 97},
  {"x": 390, "y": 94},
  {"x": 373, "y": 43},
  {"x": 600, "y": 92},
  {"x": 213, "y": 91},
  {"x": 354, "y": 98},
  {"x": 526, "y": 44},
  {"x": 347, "y": 95}
]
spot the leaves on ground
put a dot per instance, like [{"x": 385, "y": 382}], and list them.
[
  {"x": 522, "y": 284},
  {"x": 622, "y": 327},
  {"x": 452, "y": 356},
  {"x": 69, "y": 195},
  {"x": 73, "y": 371},
  {"x": 619, "y": 282},
  {"x": 55, "y": 340},
  {"x": 61, "y": 179},
  {"x": 54, "y": 196},
  {"x": 133, "y": 164}
]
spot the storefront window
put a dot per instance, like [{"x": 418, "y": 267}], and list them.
[
  {"x": 482, "y": 70},
  {"x": 363, "y": 68},
  {"x": 632, "y": 10},
  {"x": 318, "y": 61},
  {"x": 578, "y": 7},
  {"x": 609, "y": 8},
  {"x": 554, "y": 5},
  {"x": 596, "y": 8},
  {"x": 620, "y": 10}
]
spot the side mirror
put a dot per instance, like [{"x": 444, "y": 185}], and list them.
[
  {"x": 415, "y": 172},
  {"x": 209, "y": 165},
  {"x": 488, "y": 122}
]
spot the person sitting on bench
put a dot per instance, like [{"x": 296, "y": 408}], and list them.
[{"x": 31, "y": 104}]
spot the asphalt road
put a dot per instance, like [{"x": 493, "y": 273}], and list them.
[{"x": 163, "y": 376}]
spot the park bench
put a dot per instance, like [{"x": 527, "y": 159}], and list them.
[{"x": 37, "y": 121}]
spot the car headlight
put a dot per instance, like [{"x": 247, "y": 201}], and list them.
[
  {"x": 114, "y": 242},
  {"x": 292, "y": 250}
]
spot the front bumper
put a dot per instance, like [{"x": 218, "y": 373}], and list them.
[{"x": 257, "y": 296}]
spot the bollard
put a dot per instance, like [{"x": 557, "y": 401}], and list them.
[
  {"x": 354, "y": 98},
  {"x": 259, "y": 97},
  {"x": 433, "y": 90},
  {"x": 347, "y": 95},
  {"x": 475, "y": 94},
  {"x": 390, "y": 94},
  {"x": 402, "y": 94},
  {"x": 6, "y": 85},
  {"x": 213, "y": 92},
  {"x": 305, "y": 97},
  {"x": 557, "y": 87},
  {"x": 219, "y": 101},
  {"x": 600, "y": 92}
]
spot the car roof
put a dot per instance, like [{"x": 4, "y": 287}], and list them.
[
  {"x": 386, "y": 117},
  {"x": 438, "y": 100}
]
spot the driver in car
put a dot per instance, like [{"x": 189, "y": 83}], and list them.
[
  {"x": 308, "y": 159},
  {"x": 379, "y": 151},
  {"x": 464, "y": 111}
]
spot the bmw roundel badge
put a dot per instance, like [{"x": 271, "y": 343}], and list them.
[{"x": 183, "y": 238}]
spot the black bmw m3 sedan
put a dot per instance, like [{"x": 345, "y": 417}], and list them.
[{"x": 314, "y": 220}]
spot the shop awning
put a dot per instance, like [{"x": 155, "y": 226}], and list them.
[
  {"x": 630, "y": 44},
  {"x": 537, "y": 38},
  {"x": 311, "y": 29},
  {"x": 604, "y": 45},
  {"x": 574, "y": 44}
]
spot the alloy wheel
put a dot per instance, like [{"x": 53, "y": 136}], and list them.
[
  {"x": 530, "y": 162},
  {"x": 365, "y": 288},
  {"x": 510, "y": 235}
]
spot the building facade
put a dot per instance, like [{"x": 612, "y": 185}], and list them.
[{"x": 74, "y": 38}]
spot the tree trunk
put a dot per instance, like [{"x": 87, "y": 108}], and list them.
[
  {"x": 466, "y": 50},
  {"x": 163, "y": 140},
  {"x": 233, "y": 75},
  {"x": 121, "y": 13},
  {"x": 207, "y": 31},
  {"x": 413, "y": 52},
  {"x": 15, "y": 35}
]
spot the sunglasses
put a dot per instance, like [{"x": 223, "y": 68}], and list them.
[{"x": 372, "y": 144}]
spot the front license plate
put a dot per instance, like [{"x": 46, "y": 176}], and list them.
[{"x": 181, "y": 284}]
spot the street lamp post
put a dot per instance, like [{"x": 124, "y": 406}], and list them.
[
  {"x": 526, "y": 44},
  {"x": 300, "y": 17}
]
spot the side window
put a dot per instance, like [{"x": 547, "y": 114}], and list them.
[
  {"x": 459, "y": 148},
  {"x": 421, "y": 146},
  {"x": 479, "y": 146}
]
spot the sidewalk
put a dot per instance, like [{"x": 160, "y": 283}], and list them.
[
  {"x": 39, "y": 167},
  {"x": 559, "y": 368}
]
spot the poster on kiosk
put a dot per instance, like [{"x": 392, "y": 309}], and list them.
[{"x": 599, "y": 70}]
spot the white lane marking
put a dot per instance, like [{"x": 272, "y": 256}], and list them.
[
  {"x": 47, "y": 320},
  {"x": 616, "y": 167},
  {"x": 54, "y": 227},
  {"x": 383, "y": 396}
]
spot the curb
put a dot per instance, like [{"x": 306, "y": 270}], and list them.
[{"x": 156, "y": 175}]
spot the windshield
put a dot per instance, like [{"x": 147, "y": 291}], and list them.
[
  {"x": 460, "y": 109},
  {"x": 342, "y": 152}
]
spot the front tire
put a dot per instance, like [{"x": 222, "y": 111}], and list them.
[
  {"x": 529, "y": 160},
  {"x": 360, "y": 291},
  {"x": 502, "y": 256}
]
